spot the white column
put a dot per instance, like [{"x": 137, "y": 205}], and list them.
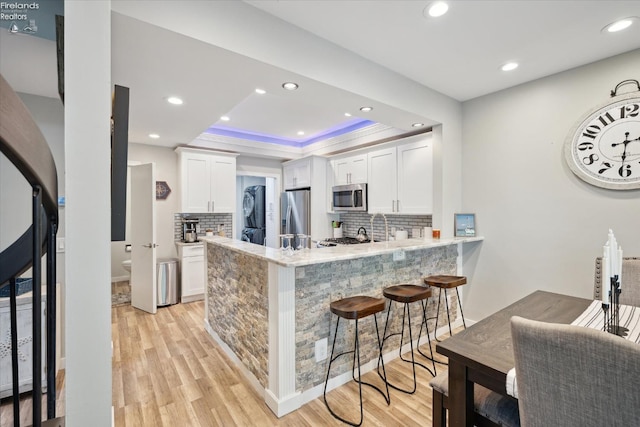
[
  {"x": 88, "y": 250},
  {"x": 281, "y": 395}
]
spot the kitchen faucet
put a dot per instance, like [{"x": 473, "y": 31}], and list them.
[{"x": 386, "y": 226}]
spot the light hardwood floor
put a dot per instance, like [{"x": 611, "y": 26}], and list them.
[
  {"x": 26, "y": 405},
  {"x": 167, "y": 371}
]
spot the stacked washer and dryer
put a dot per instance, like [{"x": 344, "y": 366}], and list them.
[{"x": 253, "y": 210}]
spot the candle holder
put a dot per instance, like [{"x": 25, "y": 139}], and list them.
[{"x": 612, "y": 314}]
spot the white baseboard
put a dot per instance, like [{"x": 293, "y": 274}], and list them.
[
  {"x": 192, "y": 298},
  {"x": 248, "y": 374},
  {"x": 281, "y": 407}
]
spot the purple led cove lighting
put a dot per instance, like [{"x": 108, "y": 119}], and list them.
[{"x": 343, "y": 128}]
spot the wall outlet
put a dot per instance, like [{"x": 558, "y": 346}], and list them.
[
  {"x": 399, "y": 255},
  {"x": 321, "y": 350}
]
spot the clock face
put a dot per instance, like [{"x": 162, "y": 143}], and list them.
[{"x": 603, "y": 149}]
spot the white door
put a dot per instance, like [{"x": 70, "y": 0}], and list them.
[
  {"x": 143, "y": 238},
  {"x": 272, "y": 215}
]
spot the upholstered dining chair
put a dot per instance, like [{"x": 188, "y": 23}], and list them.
[
  {"x": 575, "y": 376},
  {"x": 630, "y": 294}
]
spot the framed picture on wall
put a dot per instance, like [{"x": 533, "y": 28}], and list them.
[{"x": 464, "y": 225}]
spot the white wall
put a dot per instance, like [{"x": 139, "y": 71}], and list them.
[
  {"x": 543, "y": 226},
  {"x": 87, "y": 167}
]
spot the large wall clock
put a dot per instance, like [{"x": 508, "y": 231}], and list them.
[{"x": 603, "y": 148}]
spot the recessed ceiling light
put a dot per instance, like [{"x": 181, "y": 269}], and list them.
[
  {"x": 366, "y": 109},
  {"x": 260, "y": 91},
  {"x": 509, "y": 66},
  {"x": 619, "y": 25},
  {"x": 225, "y": 118},
  {"x": 290, "y": 86},
  {"x": 300, "y": 132},
  {"x": 174, "y": 100},
  {"x": 154, "y": 135},
  {"x": 417, "y": 125},
  {"x": 347, "y": 114},
  {"x": 436, "y": 9}
]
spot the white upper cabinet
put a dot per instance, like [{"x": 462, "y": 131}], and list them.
[
  {"x": 207, "y": 181},
  {"x": 383, "y": 181},
  {"x": 350, "y": 170},
  {"x": 297, "y": 174},
  {"x": 415, "y": 178},
  {"x": 311, "y": 172},
  {"x": 401, "y": 178}
]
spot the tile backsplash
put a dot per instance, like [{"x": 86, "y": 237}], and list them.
[
  {"x": 207, "y": 220},
  {"x": 352, "y": 221}
]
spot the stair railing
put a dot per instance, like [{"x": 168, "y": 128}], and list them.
[{"x": 24, "y": 145}]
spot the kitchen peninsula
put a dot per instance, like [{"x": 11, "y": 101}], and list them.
[{"x": 270, "y": 311}]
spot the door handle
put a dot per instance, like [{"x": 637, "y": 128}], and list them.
[
  {"x": 393, "y": 206},
  {"x": 150, "y": 245}
]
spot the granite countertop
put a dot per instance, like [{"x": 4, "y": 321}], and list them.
[
  {"x": 335, "y": 253},
  {"x": 181, "y": 243}
]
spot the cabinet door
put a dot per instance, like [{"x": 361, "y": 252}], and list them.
[
  {"x": 192, "y": 278},
  {"x": 350, "y": 170},
  {"x": 196, "y": 183},
  {"x": 297, "y": 174},
  {"x": 358, "y": 169},
  {"x": 341, "y": 170},
  {"x": 415, "y": 178},
  {"x": 289, "y": 177},
  {"x": 24, "y": 317},
  {"x": 382, "y": 181},
  {"x": 223, "y": 184}
]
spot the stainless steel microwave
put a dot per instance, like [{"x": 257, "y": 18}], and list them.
[{"x": 348, "y": 198}]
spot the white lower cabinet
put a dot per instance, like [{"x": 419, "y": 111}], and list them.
[
  {"x": 192, "y": 272},
  {"x": 25, "y": 344}
]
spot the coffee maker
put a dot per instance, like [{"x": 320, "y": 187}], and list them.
[{"x": 189, "y": 230}]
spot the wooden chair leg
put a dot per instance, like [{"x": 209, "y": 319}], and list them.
[{"x": 438, "y": 410}]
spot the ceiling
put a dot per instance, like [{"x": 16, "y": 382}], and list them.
[{"x": 458, "y": 54}]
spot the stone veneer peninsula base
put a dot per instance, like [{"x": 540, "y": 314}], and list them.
[{"x": 268, "y": 310}]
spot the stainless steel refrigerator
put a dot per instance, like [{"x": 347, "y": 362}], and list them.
[{"x": 296, "y": 214}]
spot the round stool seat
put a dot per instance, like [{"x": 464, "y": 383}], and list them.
[
  {"x": 445, "y": 281},
  {"x": 407, "y": 293},
  {"x": 357, "y": 307}
]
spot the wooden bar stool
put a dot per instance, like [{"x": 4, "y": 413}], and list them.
[
  {"x": 406, "y": 294},
  {"x": 356, "y": 308},
  {"x": 447, "y": 282}
]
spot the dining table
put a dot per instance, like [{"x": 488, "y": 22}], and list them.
[{"x": 483, "y": 352}]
